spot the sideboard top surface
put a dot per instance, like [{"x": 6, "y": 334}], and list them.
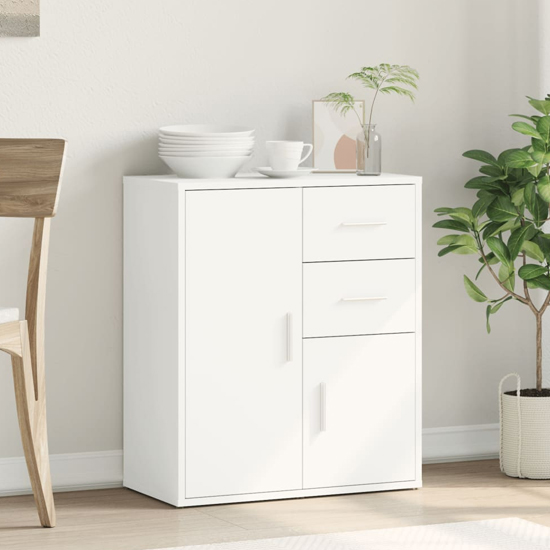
[{"x": 251, "y": 181}]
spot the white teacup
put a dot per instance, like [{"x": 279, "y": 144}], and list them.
[{"x": 287, "y": 155}]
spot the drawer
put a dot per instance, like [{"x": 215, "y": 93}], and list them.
[
  {"x": 370, "y": 297},
  {"x": 359, "y": 410},
  {"x": 359, "y": 223}
]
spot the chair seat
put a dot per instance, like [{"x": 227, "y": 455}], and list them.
[{"x": 8, "y": 314}]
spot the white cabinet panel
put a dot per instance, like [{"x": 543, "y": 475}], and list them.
[
  {"x": 225, "y": 400},
  {"x": 359, "y": 223},
  {"x": 347, "y": 298},
  {"x": 359, "y": 410},
  {"x": 243, "y": 341}
]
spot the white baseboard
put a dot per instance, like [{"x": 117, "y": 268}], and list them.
[
  {"x": 460, "y": 443},
  {"x": 101, "y": 470},
  {"x": 70, "y": 472}
]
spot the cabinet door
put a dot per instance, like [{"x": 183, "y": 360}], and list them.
[
  {"x": 243, "y": 341},
  {"x": 359, "y": 410}
]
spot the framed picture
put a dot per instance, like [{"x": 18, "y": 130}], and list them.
[
  {"x": 19, "y": 18},
  {"x": 334, "y": 137}
]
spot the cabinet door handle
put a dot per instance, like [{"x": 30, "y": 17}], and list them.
[
  {"x": 289, "y": 337},
  {"x": 365, "y": 299},
  {"x": 323, "y": 407},
  {"x": 362, "y": 224}
]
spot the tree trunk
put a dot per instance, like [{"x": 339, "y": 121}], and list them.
[{"x": 539, "y": 352}]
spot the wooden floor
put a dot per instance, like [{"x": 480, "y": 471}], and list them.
[{"x": 116, "y": 519}]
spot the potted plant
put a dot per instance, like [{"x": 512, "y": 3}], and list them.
[
  {"x": 505, "y": 230},
  {"x": 383, "y": 79}
]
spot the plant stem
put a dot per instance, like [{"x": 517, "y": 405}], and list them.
[
  {"x": 539, "y": 351},
  {"x": 367, "y": 133},
  {"x": 495, "y": 277}
]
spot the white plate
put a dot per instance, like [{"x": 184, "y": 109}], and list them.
[
  {"x": 214, "y": 154},
  {"x": 303, "y": 171},
  {"x": 205, "y": 141},
  {"x": 205, "y": 167},
  {"x": 205, "y": 130},
  {"x": 206, "y": 147}
]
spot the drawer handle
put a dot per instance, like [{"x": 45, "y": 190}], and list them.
[
  {"x": 323, "y": 408},
  {"x": 361, "y": 224},
  {"x": 364, "y": 299}
]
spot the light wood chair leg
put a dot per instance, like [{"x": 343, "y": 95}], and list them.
[{"x": 32, "y": 423}]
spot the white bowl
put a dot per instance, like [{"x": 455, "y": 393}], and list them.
[
  {"x": 205, "y": 130},
  {"x": 205, "y": 141},
  {"x": 205, "y": 167},
  {"x": 190, "y": 154},
  {"x": 206, "y": 147}
]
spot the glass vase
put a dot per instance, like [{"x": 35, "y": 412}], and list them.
[{"x": 369, "y": 151}]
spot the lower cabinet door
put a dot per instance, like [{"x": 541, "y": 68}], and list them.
[
  {"x": 243, "y": 371},
  {"x": 359, "y": 410}
]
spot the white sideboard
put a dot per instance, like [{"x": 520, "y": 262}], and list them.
[{"x": 272, "y": 337}]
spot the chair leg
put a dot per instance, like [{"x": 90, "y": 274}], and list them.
[{"x": 32, "y": 423}]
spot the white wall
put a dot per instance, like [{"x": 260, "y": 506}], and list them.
[{"x": 105, "y": 75}]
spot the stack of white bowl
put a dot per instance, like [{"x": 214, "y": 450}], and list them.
[{"x": 205, "y": 150}]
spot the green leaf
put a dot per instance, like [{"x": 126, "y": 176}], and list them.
[
  {"x": 517, "y": 238},
  {"x": 443, "y": 210},
  {"x": 536, "y": 169},
  {"x": 448, "y": 250},
  {"x": 454, "y": 225},
  {"x": 492, "y": 171},
  {"x": 341, "y": 102},
  {"x": 481, "y": 205},
  {"x": 502, "y": 210},
  {"x": 519, "y": 159},
  {"x": 473, "y": 291},
  {"x": 538, "y": 145},
  {"x": 462, "y": 214},
  {"x": 525, "y": 129},
  {"x": 540, "y": 282},
  {"x": 510, "y": 225},
  {"x": 481, "y": 156},
  {"x": 458, "y": 244},
  {"x": 540, "y": 105},
  {"x": 544, "y": 245},
  {"x": 463, "y": 240},
  {"x": 484, "y": 182},
  {"x": 544, "y": 188},
  {"x": 530, "y": 196},
  {"x": 543, "y": 128},
  {"x": 541, "y": 157},
  {"x": 506, "y": 275},
  {"x": 532, "y": 119},
  {"x": 492, "y": 229},
  {"x": 518, "y": 196},
  {"x": 540, "y": 212},
  {"x": 449, "y": 239},
  {"x": 531, "y": 271},
  {"x": 504, "y": 155},
  {"x": 500, "y": 250},
  {"x": 487, "y": 316},
  {"x": 533, "y": 251}
]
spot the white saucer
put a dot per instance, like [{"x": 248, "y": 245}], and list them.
[{"x": 302, "y": 171}]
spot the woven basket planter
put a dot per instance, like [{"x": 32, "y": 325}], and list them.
[{"x": 524, "y": 434}]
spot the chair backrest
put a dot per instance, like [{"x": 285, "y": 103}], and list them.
[{"x": 30, "y": 175}]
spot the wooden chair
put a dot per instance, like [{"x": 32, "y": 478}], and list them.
[{"x": 30, "y": 173}]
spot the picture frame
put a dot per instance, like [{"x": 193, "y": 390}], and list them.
[
  {"x": 19, "y": 18},
  {"x": 334, "y": 137}
]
